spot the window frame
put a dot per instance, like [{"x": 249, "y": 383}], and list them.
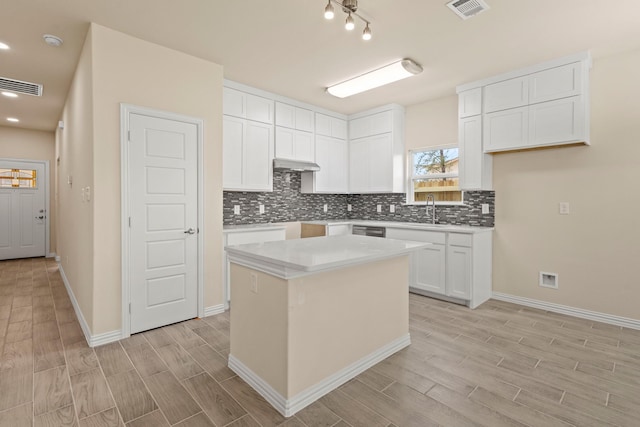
[{"x": 412, "y": 177}]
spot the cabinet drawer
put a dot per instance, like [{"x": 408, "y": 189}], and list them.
[
  {"x": 254, "y": 237},
  {"x": 416, "y": 235},
  {"x": 459, "y": 239}
]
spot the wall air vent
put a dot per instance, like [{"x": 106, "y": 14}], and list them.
[
  {"x": 20, "y": 87},
  {"x": 465, "y": 9}
]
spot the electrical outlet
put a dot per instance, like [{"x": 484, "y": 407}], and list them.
[
  {"x": 563, "y": 208},
  {"x": 379, "y": 208},
  {"x": 392, "y": 208},
  {"x": 325, "y": 208},
  {"x": 236, "y": 209},
  {"x": 261, "y": 208},
  {"x": 348, "y": 208},
  {"x": 485, "y": 208},
  {"x": 254, "y": 283}
]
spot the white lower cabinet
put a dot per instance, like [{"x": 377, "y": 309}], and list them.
[
  {"x": 241, "y": 236},
  {"x": 456, "y": 266}
]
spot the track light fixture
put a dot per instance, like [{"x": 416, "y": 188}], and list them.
[{"x": 349, "y": 7}]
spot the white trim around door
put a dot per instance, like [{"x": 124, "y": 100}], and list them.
[{"x": 125, "y": 111}]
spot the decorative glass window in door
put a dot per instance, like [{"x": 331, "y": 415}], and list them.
[{"x": 18, "y": 178}]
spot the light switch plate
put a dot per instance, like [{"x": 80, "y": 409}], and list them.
[
  {"x": 392, "y": 208},
  {"x": 563, "y": 208},
  {"x": 236, "y": 209},
  {"x": 348, "y": 208},
  {"x": 325, "y": 208},
  {"x": 379, "y": 208}
]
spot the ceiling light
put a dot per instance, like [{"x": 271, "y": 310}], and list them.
[
  {"x": 10, "y": 94},
  {"x": 393, "y": 72},
  {"x": 349, "y": 24},
  {"x": 12, "y": 119},
  {"x": 4, "y": 46},
  {"x": 328, "y": 11},
  {"x": 349, "y": 7},
  {"x": 52, "y": 40},
  {"x": 366, "y": 34}
]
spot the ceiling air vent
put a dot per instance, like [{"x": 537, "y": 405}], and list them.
[
  {"x": 465, "y": 9},
  {"x": 20, "y": 87}
]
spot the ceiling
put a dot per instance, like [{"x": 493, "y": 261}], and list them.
[{"x": 287, "y": 47}]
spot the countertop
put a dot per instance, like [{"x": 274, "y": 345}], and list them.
[
  {"x": 409, "y": 225},
  {"x": 253, "y": 227},
  {"x": 300, "y": 257}
]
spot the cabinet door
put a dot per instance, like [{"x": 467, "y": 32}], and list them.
[
  {"x": 304, "y": 119},
  {"x": 458, "y": 272},
  {"x": 504, "y": 130},
  {"x": 556, "y": 122},
  {"x": 284, "y": 143},
  {"x": 285, "y": 115},
  {"x": 380, "y": 163},
  {"x": 506, "y": 94},
  {"x": 470, "y": 103},
  {"x": 259, "y": 109},
  {"x": 338, "y": 128},
  {"x": 303, "y": 146},
  {"x": 232, "y": 142},
  {"x": 381, "y": 122},
  {"x": 332, "y": 157},
  {"x": 470, "y": 152},
  {"x": 233, "y": 102},
  {"x": 359, "y": 128},
  {"x": 429, "y": 267},
  {"x": 358, "y": 166},
  {"x": 323, "y": 124},
  {"x": 555, "y": 83},
  {"x": 258, "y": 156}
]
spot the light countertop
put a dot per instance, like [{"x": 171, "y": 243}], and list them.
[
  {"x": 251, "y": 227},
  {"x": 300, "y": 257},
  {"x": 409, "y": 225}
]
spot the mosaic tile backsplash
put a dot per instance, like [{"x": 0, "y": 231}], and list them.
[{"x": 286, "y": 203}]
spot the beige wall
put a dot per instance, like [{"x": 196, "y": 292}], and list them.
[
  {"x": 74, "y": 147},
  {"x": 595, "y": 248},
  {"x": 130, "y": 70},
  {"x": 16, "y": 143}
]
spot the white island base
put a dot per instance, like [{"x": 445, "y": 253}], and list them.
[{"x": 294, "y": 340}]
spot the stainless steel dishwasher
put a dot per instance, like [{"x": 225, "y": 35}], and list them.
[{"x": 366, "y": 230}]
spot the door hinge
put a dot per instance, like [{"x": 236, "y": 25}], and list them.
[
  {"x": 129, "y": 308},
  {"x": 129, "y": 135},
  {"x": 129, "y": 222}
]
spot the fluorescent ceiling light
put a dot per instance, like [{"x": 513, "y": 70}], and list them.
[
  {"x": 4, "y": 46},
  {"x": 10, "y": 94},
  {"x": 12, "y": 119},
  {"x": 391, "y": 73}
]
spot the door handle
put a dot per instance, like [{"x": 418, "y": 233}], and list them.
[
  {"x": 190, "y": 231},
  {"x": 40, "y": 217}
]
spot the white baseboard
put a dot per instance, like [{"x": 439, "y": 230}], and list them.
[
  {"x": 92, "y": 340},
  {"x": 288, "y": 407},
  {"x": 52, "y": 255},
  {"x": 570, "y": 311},
  {"x": 213, "y": 310}
]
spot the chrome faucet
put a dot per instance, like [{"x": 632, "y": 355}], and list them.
[{"x": 431, "y": 197}]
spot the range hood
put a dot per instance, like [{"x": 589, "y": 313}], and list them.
[{"x": 294, "y": 165}]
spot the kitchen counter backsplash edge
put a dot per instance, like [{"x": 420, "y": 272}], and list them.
[{"x": 287, "y": 204}]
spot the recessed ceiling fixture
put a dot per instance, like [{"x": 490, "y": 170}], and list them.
[
  {"x": 10, "y": 94},
  {"x": 465, "y": 9},
  {"x": 349, "y": 7},
  {"x": 52, "y": 40},
  {"x": 12, "y": 119},
  {"x": 388, "y": 74}
]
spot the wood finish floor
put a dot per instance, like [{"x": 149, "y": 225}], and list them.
[{"x": 498, "y": 365}]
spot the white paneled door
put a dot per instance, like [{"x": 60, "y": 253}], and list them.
[
  {"x": 22, "y": 209},
  {"x": 163, "y": 206}
]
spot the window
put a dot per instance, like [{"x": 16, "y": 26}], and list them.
[
  {"x": 435, "y": 171},
  {"x": 17, "y": 178}
]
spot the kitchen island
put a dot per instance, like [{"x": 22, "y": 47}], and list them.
[{"x": 310, "y": 314}]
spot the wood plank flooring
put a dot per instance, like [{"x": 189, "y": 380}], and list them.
[{"x": 499, "y": 365}]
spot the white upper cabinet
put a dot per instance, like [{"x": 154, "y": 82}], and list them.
[
  {"x": 294, "y": 144},
  {"x": 475, "y": 167},
  {"x": 332, "y": 155},
  {"x": 293, "y": 117},
  {"x": 331, "y": 126},
  {"x": 510, "y": 93},
  {"x": 470, "y": 103},
  {"x": 376, "y": 151},
  {"x": 540, "y": 106},
  {"x": 247, "y": 106}
]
